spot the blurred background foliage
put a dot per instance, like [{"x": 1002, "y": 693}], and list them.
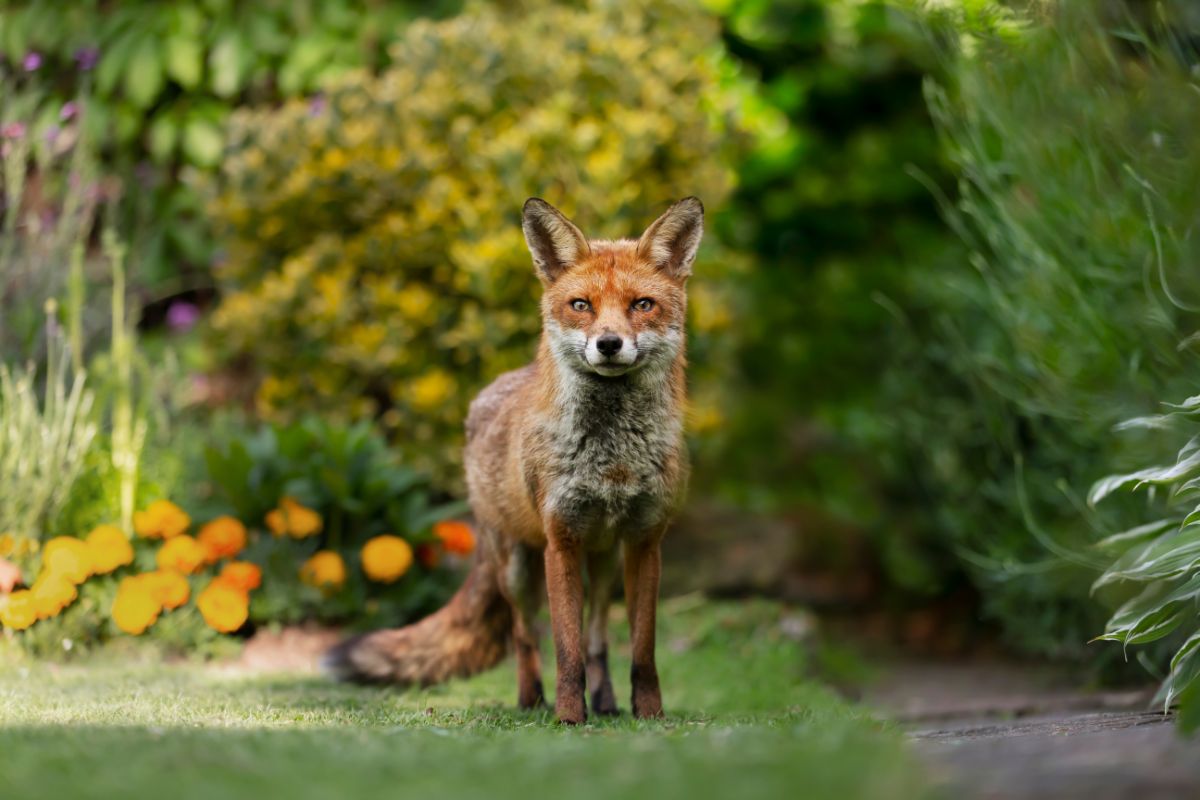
[{"x": 951, "y": 244}]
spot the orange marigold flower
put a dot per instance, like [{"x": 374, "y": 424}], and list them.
[
  {"x": 162, "y": 519},
  {"x": 223, "y": 537},
  {"x": 241, "y": 575},
  {"x": 386, "y": 558},
  {"x": 68, "y": 557},
  {"x": 293, "y": 519},
  {"x": 456, "y": 536},
  {"x": 52, "y": 592},
  {"x": 168, "y": 588},
  {"x": 18, "y": 610},
  {"x": 136, "y": 608},
  {"x": 109, "y": 549},
  {"x": 223, "y": 607},
  {"x": 325, "y": 570},
  {"x": 183, "y": 554}
]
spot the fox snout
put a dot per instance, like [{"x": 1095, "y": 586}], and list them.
[{"x": 611, "y": 352}]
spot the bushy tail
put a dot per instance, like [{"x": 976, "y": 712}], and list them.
[{"x": 468, "y": 635}]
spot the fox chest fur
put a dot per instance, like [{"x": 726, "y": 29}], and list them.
[{"x": 609, "y": 458}]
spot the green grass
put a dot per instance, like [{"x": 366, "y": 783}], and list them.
[{"x": 743, "y": 721}]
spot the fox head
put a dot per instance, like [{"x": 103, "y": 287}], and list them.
[{"x": 612, "y": 308}]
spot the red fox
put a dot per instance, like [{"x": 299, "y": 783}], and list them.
[{"x": 567, "y": 459}]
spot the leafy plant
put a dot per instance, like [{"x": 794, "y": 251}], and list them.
[
  {"x": 360, "y": 490},
  {"x": 1161, "y": 558}
]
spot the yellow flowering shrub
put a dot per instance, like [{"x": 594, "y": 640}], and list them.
[
  {"x": 386, "y": 558},
  {"x": 376, "y": 265},
  {"x": 67, "y": 557},
  {"x": 293, "y": 519},
  {"x": 162, "y": 519},
  {"x": 223, "y": 537},
  {"x": 18, "y": 610},
  {"x": 181, "y": 554},
  {"x": 109, "y": 549},
  {"x": 224, "y": 607},
  {"x": 325, "y": 570}
]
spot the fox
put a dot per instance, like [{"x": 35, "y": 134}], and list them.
[{"x": 572, "y": 462}]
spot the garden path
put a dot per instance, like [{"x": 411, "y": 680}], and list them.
[{"x": 1005, "y": 731}]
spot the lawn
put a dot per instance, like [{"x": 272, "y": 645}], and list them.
[{"x": 743, "y": 721}]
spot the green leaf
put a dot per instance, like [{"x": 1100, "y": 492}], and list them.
[
  {"x": 225, "y": 64},
  {"x": 185, "y": 61},
  {"x": 1137, "y": 534},
  {"x": 1169, "y": 556},
  {"x": 144, "y": 74},
  {"x": 203, "y": 142},
  {"x": 164, "y": 134},
  {"x": 1153, "y": 614},
  {"x": 1189, "y": 460}
]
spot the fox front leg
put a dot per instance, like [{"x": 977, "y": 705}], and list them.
[
  {"x": 643, "y": 567},
  {"x": 564, "y": 588}
]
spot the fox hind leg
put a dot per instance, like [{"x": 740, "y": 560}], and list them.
[
  {"x": 602, "y": 567},
  {"x": 523, "y": 586}
]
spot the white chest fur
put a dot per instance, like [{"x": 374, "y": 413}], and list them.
[{"x": 613, "y": 449}]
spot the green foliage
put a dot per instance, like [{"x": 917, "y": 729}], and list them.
[
  {"x": 1161, "y": 558},
  {"x": 46, "y": 437},
  {"x": 351, "y": 478},
  {"x": 1072, "y": 310},
  {"x": 828, "y": 204},
  {"x": 376, "y": 265},
  {"x": 161, "y": 78}
]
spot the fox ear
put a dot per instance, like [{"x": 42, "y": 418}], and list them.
[
  {"x": 671, "y": 242},
  {"x": 553, "y": 239}
]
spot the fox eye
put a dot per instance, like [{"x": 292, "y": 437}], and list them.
[
  {"x": 581, "y": 305},
  {"x": 644, "y": 304}
]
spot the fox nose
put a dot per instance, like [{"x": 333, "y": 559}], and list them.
[{"x": 609, "y": 344}]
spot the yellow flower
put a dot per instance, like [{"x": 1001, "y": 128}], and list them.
[
  {"x": 109, "y": 548},
  {"x": 135, "y": 608},
  {"x": 183, "y": 554},
  {"x": 68, "y": 557},
  {"x": 294, "y": 519},
  {"x": 325, "y": 570},
  {"x": 52, "y": 593},
  {"x": 456, "y": 536},
  {"x": 168, "y": 588},
  {"x": 162, "y": 519},
  {"x": 223, "y": 537},
  {"x": 223, "y": 607},
  {"x": 386, "y": 558},
  {"x": 241, "y": 575},
  {"x": 18, "y": 610},
  {"x": 431, "y": 390}
]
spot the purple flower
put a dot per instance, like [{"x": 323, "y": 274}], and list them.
[
  {"x": 52, "y": 133},
  {"x": 12, "y": 130},
  {"x": 182, "y": 315},
  {"x": 68, "y": 112},
  {"x": 87, "y": 58},
  {"x": 32, "y": 61},
  {"x": 317, "y": 105}
]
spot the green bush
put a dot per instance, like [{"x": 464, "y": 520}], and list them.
[
  {"x": 375, "y": 260},
  {"x": 1071, "y": 311}
]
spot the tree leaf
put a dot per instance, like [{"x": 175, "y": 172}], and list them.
[
  {"x": 144, "y": 74},
  {"x": 185, "y": 61}
]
